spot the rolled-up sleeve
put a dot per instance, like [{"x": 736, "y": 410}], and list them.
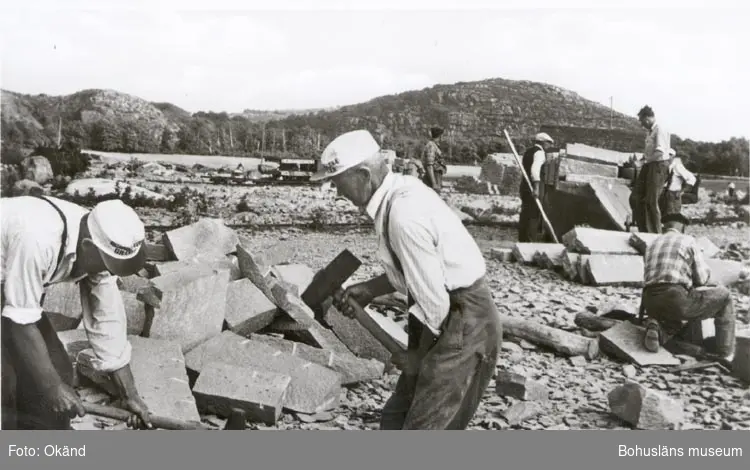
[
  {"x": 105, "y": 322},
  {"x": 25, "y": 264},
  {"x": 414, "y": 243}
]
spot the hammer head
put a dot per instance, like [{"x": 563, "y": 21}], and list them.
[{"x": 330, "y": 278}]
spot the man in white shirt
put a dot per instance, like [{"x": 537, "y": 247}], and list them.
[
  {"x": 46, "y": 241},
  {"x": 654, "y": 173},
  {"x": 427, "y": 254},
  {"x": 679, "y": 176},
  {"x": 530, "y": 220}
]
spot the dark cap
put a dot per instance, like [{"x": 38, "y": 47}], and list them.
[
  {"x": 675, "y": 217},
  {"x": 436, "y": 132},
  {"x": 646, "y": 111}
]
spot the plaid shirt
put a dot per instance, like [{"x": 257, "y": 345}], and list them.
[{"x": 674, "y": 258}]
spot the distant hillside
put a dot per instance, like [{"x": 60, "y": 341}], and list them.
[{"x": 473, "y": 114}]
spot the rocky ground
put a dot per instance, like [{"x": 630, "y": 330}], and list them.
[{"x": 578, "y": 391}]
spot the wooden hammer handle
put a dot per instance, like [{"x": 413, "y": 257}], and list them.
[{"x": 158, "y": 421}]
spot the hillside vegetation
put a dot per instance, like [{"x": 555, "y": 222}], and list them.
[{"x": 473, "y": 114}]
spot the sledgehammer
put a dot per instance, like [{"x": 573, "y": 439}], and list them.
[
  {"x": 158, "y": 421},
  {"x": 329, "y": 279}
]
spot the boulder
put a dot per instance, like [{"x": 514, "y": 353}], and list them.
[
  {"x": 645, "y": 408},
  {"x": 37, "y": 169}
]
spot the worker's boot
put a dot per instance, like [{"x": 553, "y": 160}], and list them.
[{"x": 652, "y": 336}]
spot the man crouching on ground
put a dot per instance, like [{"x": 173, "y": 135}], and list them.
[
  {"x": 47, "y": 241},
  {"x": 427, "y": 254},
  {"x": 677, "y": 290}
]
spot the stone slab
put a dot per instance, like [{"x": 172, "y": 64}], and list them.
[
  {"x": 587, "y": 240},
  {"x": 300, "y": 275},
  {"x": 248, "y": 309},
  {"x": 504, "y": 255},
  {"x": 135, "y": 310},
  {"x": 625, "y": 341},
  {"x": 222, "y": 387},
  {"x": 356, "y": 337},
  {"x": 570, "y": 166},
  {"x": 207, "y": 238},
  {"x": 254, "y": 267},
  {"x": 520, "y": 387},
  {"x": 63, "y": 298},
  {"x": 158, "y": 368},
  {"x": 352, "y": 368},
  {"x": 570, "y": 262},
  {"x": 313, "y": 388},
  {"x": 189, "y": 305},
  {"x": 610, "y": 270}
]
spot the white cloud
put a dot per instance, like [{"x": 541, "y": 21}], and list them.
[{"x": 688, "y": 64}]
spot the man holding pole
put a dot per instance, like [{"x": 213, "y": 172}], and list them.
[
  {"x": 427, "y": 254},
  {"x": 530, "y": 221}
]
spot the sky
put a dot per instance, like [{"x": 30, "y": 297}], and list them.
[{"x": 687, "y": 61}]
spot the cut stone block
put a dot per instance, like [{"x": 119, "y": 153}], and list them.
[
  {"x": 63, "y": 298},
  {"x": 248, "y": 309},
  {"x": 254, "y": 267},
  {"x": 208, "y": 238},
  {"x": 222, "y": 387},
  {"x": 158, "y": 368},
  {"x": 511, "y": 384},
  {"x": 135, "y": 311},
  {"x": 588, "y": 241},
  {"x": 352, "y": 369},
  {"x": 622, "y": 270},
  {"x": 583, "y": 270},
  {"x": 225, "y": 262},
  {"x": 645, "y": 408},
  {"x": 625, "y": 341},
  {"x": 707, "y": 247},
  {"x": 292, "y": 305},
  {"x": 504, "y": 255},
  {"x": 570, "y": 166},
  {"x": 189, "y": 305},
  {"x": 298, "y": 274},
  {"x": 356, "y": 337},
  {"x": 724, "y": 272},
  {"x": 313, "y": 388},
  {"x": 525, "y": 252},
  {"x": 132, "y": 283}
]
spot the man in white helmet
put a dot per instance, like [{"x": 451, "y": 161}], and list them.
[
  {"x": 530, "y": 219},
  {"x": 670, "y": 201},
  {"x": 428, "y": 255},
  {"x": 46, "y": 241}
]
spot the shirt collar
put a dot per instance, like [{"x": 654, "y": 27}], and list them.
[{"x": 379, "y": 196}]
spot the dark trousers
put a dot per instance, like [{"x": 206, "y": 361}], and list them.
[
  {"x": 529, "y": 221},
  {"x": 670, "y": 202},
  {"x": 671, "y": 305},
  {"x": 445, "y": 377},
  {"x": 649, "y": 186},
  {"x": 23, "y": 404}
]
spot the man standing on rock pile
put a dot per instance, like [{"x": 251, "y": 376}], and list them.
[
  {"x": 679, "y": 176},
  {"x": 47, "y": 241},
  {"x": 427, "y": 254},
  {"x": 677, "y": 290},
  {"x": 530, "y": 220},
  {"x": 654, "y": 173}
]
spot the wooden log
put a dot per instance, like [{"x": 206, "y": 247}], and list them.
[
  {"x": 563, "y": 342},
  {"x": 593, "y": 322},
  {"x": 159, "y": 422}
]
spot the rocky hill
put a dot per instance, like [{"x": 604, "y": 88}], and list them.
[{"x": 473, "y": 113}]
